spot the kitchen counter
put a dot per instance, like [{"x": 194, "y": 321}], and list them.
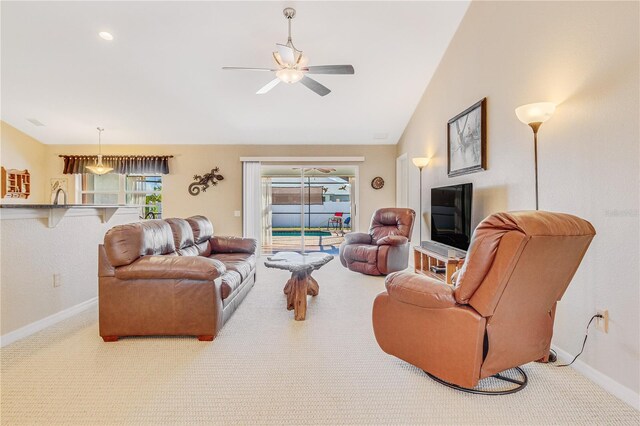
[
  {"x": 54, "y": 213},
  {"x": 49, "y": 264},
  {"x": 63, "y": 206}
]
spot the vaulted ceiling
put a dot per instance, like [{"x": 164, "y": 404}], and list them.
[{"x": 160, "y": 80}]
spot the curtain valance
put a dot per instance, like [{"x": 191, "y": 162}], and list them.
[{"x": 122, "y": 164}]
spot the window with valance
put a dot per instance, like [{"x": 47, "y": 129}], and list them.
[{"x": 122, "y": 164}]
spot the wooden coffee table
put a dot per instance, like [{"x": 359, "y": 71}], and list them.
[{"x": 301, "y": 283}]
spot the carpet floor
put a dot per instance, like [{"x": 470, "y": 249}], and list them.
[{"x": 266, "y": 368}]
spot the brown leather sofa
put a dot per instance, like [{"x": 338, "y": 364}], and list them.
[
  {"x": 171, "y": 277},
  {"x": 500, "y": 313},
  {"x": 385, "y": 248}
]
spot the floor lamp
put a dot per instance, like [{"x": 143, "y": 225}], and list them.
[
  {"x": 534, "y": 115},
  {"x": 420, "y": 163}
]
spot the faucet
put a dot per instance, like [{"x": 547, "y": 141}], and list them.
[{"x": 64, "y": 197}]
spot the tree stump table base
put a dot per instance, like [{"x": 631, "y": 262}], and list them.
[
  {"x": 297, "y": 288},
  {"x": 301, "y": 282}
]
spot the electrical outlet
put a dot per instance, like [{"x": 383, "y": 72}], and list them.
[
  {"x": 602, "y": 324},
  {"x": 236, "y": 213},
  {"x": 57, "y": 280}
]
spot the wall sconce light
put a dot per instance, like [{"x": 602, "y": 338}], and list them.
[
  {"x": 534, "y": 115},
  {"x": 420, "y": 163}
]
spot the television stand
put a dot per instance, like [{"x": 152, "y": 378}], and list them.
[{"x": 431, "y": 255}]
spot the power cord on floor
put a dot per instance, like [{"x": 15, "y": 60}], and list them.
[{"x": 584, "y": 342}]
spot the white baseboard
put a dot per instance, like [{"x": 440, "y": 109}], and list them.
[
  {"x": 605, "y": 382},
  {"x": 34, "y": 327}
]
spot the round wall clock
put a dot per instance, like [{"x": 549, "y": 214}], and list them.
[{"x": 377, "y": 182}]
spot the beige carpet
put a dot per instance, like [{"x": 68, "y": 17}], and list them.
[{"x": 265, "y": 368}]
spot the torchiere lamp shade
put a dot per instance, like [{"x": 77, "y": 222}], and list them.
[
  {"x": 420, "y": 162},
  {"x": 534, "y": 115},
  {"x": 538, "y": 112}
]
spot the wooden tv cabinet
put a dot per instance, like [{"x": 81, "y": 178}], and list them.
[{"x": 424, "y": 258}]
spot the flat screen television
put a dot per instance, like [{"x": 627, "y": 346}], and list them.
[{"x": 451, "y": 215}]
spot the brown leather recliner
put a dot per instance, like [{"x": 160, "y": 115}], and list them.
[
  {"x": 500, "y": 313},
  {"x": 385, "y": 248},
  {"x": 171, "y": 277}
]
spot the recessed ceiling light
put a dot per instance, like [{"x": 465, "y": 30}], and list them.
[{"x": 105, "y": 35}]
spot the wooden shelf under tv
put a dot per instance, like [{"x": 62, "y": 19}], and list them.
[{"x": 424, "y": 259}]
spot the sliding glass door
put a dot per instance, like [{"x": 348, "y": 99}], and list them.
[{"x": 306, "y": 209}]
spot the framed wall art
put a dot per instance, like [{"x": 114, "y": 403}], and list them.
[{"x": 467, "y": 140}]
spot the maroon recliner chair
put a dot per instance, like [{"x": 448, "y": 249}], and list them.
[{"x": 385, "y": 248}]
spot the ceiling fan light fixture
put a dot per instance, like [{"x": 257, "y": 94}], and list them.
[
  {"x": 278, "y": 59},
  {"x": 292, "y": 66},
  {"x": 289, "y": 75},
  {"x": 303, "y": 60}
]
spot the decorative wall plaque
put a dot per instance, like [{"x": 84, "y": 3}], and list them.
[
  {"x": 377, "y": 182},
  {"x": 205, "y": 181}
]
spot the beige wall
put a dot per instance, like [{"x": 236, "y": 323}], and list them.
[
  {"x": 20, "y": 151},
  {"x": 220, "y": 202},
  {"x": 27, "y": 291},
  {"x": 32, "y": 253},
  {"x": 583, "y": 56}
]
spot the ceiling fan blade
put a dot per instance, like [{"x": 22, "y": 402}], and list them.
[
  {"x": 248, "y": 69},
  {"x": 286, "y": 54},
  {"x": 315, "y": 86},
  {"x": 270, "y": 85},
  {"x": 331, "y": 69}
]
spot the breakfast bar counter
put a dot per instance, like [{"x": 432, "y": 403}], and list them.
[
  {"x": 54, "y": 213},
  {"x": 49, "y": 264}
]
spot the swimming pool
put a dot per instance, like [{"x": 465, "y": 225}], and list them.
[{"x": 297, "y": 234}]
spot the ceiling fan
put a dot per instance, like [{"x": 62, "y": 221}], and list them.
[{"x": 292, "y": 66}]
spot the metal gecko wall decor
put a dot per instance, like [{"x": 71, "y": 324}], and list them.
[{"x": 205, "y": 181}]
